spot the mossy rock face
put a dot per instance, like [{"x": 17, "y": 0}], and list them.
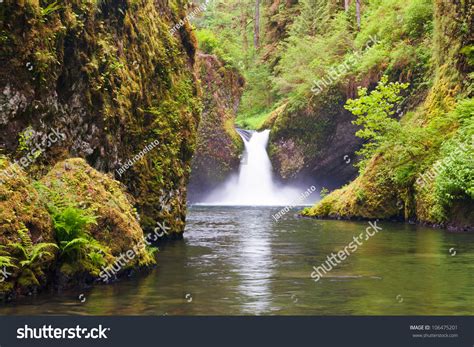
[
  {"x": 25, "y": 208},
  {"x": 111, "y": 77},
  {"x": 439, "y": 192},
  {"x": 75, "y": 183},
  {"x": 310, "y": 139},
  {"x": 370, "y": 196},
  {"x": 219, "y": 146},
  {"x": 21, "y": 209},
  {"x": 21, "y": 204}
]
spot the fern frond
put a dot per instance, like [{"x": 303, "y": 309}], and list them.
[{"x": 6, "y": 261}]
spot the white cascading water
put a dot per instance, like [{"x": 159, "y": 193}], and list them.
[{"x": 254, "y": 185}]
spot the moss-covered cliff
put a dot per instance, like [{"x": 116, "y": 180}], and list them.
[
  {"x": 219, "y": 146},
  {"x": 112, "y": 79},
  {"x": 314, "y": 140},
  {"x": 106, "y": 83},
  {"x": 426, "y": 173}
]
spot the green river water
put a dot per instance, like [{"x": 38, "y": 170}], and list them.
[{"x": 239, "y": 261}]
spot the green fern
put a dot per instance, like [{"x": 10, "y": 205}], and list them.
[
  {"x": 52, "y": 7},
  {"x": 75, "y": 243},
  {"x": 74, "y": 249},
  {"x": 55, "y": 200},
  {"x": 25, "y": 238},
  {"x": 38, "y": 253},
  {"x": 71, "y": 223},
  {"x": 97, "y": 258},
  {"x": 5, "y": 259},
  {"x": 30, "y": 255}
]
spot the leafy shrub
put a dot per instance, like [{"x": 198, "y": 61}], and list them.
[
  {"x": 418, "y": 18},
  {"x": 209, "y": 44},
  {"x": 455, "y": 174},
  {"x": 374, "y": 113}
]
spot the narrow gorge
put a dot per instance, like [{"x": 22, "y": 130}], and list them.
[{"x": 202, "y": 158}]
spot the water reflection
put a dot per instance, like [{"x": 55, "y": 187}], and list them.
[
  {"x": 253, "y": 264},
  {"x": 237, "y": 261}
]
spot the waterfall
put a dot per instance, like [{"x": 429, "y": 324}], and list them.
[{"x": 254, "y": 184}]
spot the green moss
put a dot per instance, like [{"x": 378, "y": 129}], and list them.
[
  {"x": 301, "y": 131},
  {"x": 372, "y": 195},
  {"x": 20, "y": 206},
  {"x": 31, "y": 239},
  {"x": 218, "y": 145},
  {"x": 24, "y": 224},
  {"x": 426, "y": 169},
  {"x": 119, "y": 64},
  {"x": 73, "y": 183}
]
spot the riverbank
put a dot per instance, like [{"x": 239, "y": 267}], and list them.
[{"x": 441, "y": 227}]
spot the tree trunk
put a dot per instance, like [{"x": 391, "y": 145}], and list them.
[
  {"x": 358, "y": 12},
  {"x": 346, "y": 5},
  {"x": 243, "y": 27},
  {"x": 256, "y": 34}
]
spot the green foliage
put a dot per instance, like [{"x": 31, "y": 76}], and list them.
[
  {"x": 208, "y": 42},
  {"x": 24, "y": 139},
  {"x": 30, "y": 256},
  {"x": 257, "y": 99},
  {"x": 70, "y": 223},
  {"x": 407, "y": 153},
  {"x": 455, "y": 169},
  {"x": 322, "y": 39},
  {"x": 251, "y": 120},
  {"x": 75, "y": 243},
  {"x": 49, "y": 9},
  {"x": 324, "y": 192},
  {"x": 38, "y": 252},
  {"x": 24, "y": 142},
  {"x": 418, "y": 17},
  {"x": 6, "y": 260},
  {"x": 97, "y": 258},
  {"x": 227, "y": 31},
  {"x": 311, "y": 50},
  {"x": 374, "y": 113}
]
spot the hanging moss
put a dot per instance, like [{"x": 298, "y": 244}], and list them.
[{"x": 112, "y": 78}]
